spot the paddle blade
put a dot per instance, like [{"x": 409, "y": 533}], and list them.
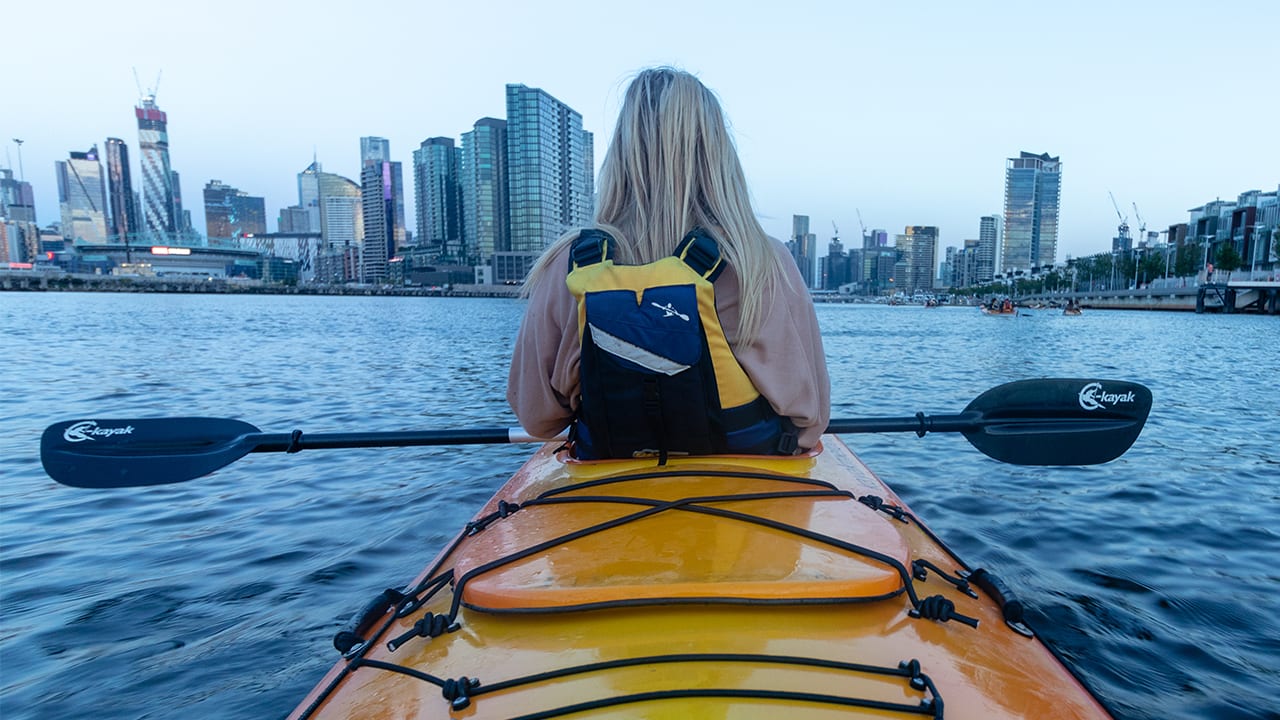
[
  {"x": 1059, "y": 421},
  {"x": 131, "y": 453}
]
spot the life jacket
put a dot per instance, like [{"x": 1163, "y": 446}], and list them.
[{"x": 657, "y": 375}]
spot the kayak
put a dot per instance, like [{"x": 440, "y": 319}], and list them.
[
  {"x": 988, "y": 311},
  {"x": 721, "y": 586}
]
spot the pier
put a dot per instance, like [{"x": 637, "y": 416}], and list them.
[{"x": 1233, "y": 296}]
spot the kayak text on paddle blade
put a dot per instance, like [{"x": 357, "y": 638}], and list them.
[
  {"x": 104, "y": 453},
  {"x": 1060, "y": 421}
]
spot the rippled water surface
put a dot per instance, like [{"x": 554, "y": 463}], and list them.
[{"x": 1155, "y": 575}]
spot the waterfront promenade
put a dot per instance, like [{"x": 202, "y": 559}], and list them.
[
  {"x": 83, "y": 282},
  {"x": 1241, "y": 295}
]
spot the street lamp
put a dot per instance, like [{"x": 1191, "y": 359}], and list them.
[{"x": 1253, "y": 248}]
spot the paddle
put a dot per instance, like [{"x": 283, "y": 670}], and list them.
[{"x": 1028, "y": 422}]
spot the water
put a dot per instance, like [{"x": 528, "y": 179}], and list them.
[{"x": 1155, "y": 575}]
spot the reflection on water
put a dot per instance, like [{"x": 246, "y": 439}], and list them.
[{"x": 1154, "y": 574}]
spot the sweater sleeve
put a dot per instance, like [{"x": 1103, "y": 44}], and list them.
[
  {"x": 542, "y": 385},
  {"x": 787, "y": 362}
]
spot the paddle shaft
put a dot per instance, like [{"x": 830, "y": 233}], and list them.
[
  {"x": 919, "y": 424},
  {"x": 294, "y": 442}
]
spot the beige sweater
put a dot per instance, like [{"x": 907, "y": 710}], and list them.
[{"x": 786, "y": 363}]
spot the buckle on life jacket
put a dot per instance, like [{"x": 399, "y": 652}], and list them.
[
  {"x": 699, "y": 251},
  {"x": 592, "y": 246}
]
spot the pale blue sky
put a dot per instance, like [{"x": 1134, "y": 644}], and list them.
[{"x": 905, "y": 112}]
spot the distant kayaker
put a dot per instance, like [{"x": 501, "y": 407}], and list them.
[{"x": 752, "y": 379}]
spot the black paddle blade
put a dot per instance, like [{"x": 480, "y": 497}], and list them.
[
  {"x": 131, "y": 453},
  {"x": 1059, "y": 421}
]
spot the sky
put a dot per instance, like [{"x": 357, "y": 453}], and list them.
[{"x": 903, "y": 113}]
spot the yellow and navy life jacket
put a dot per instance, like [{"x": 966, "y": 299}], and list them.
[{"x": 657, "y": 375}]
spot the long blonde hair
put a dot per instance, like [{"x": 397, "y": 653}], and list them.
[{"x": 672, "y": 167}]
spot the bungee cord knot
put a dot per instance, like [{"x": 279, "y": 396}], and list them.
[
  {"x": 458, "y": 692},
  {"x": 939, "y": 608},
  {"x": 428, "y": 626}
]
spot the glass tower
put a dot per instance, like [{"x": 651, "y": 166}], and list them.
[
  {"x": 436, "y": 197},
  {"x": 1032, "y": 187},
  {"x": 550, "y": 164},
  {"x": 124, "y": 215},
  {"x": 483, "y": 172},
  {"x": 309, "y": 196},
  {"x": 157, "y": 177},
  {"x": 82, "y": 197}
]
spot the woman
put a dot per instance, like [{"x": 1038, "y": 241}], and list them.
[{"x": 671, "y": 177}]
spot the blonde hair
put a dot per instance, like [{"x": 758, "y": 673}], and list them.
[{"x": 671, "y": 167}]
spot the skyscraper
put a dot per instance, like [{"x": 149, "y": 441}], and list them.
[
  {"x": 920, "y": 249},
  {"x": 124, "y": 216},
  {"x": 483, "y": 179},
  {"x": 986, "y": 250},
  {"x": 1032, "y": 187},
  {"x": 382, "y": 200},
  {"x": 82, "y": 197},
  {"x": 550, "y": 164},
  {"x": 157, "y": 177},
  {"x": 230, "y": 213},
  {"x": 804, "y": 247},
  {"x": 436, "y": 196},
  {"x": 309, "y": 196}
]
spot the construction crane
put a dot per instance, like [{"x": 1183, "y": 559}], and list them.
[
  {"x": 1124, "y": 221},
  {"x": 1142, "y": 226},
  {"x": 834, "y": 229},
  {"x": 864, "y": 225}
]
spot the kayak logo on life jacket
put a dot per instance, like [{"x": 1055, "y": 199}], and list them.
[
  {"x": 1093, "y": 397},
  {"x": 88, "y": 429},
  {"x": 670, "y": 311}
]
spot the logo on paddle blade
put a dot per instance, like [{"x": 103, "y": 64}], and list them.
[
  {"x": 89, "y": 430},
  {"x": 1093, "y": 397}
]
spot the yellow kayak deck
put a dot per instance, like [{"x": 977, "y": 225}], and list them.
[{"x": 726, "y": 587}]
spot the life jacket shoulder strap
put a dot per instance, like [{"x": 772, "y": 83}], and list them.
[
  {"x": 592, "y": 246},
  {"x": 698, "y": 250}
]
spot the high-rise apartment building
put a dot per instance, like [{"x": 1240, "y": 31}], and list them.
[
  {"x": 437, "y": 200},
  {"x": 124, "y": 215},
  {"x": 483, "y": 182},
  {"x": 1032, "y": 188},
  {"x": 82, "y": 197},
  {"x": 550, "y": 162},
  {"x": 987, "y": 249},
  {"x": 230, "y": 213},
  {"x": 919, "y": 244},
  {"x": 382, "y": 201},
  {"x": 158, "y": 187}
]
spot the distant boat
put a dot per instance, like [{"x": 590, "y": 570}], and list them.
[
  {"x": 988, "y": 311},
  {"x": 1072, "y": 311}
]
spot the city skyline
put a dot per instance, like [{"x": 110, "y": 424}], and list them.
[{"x": 910, "y": 131}]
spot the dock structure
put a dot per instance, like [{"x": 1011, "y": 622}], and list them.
[
  {"x": 1234, "y": 296},
  {"x": 1241, "y": 296}
]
